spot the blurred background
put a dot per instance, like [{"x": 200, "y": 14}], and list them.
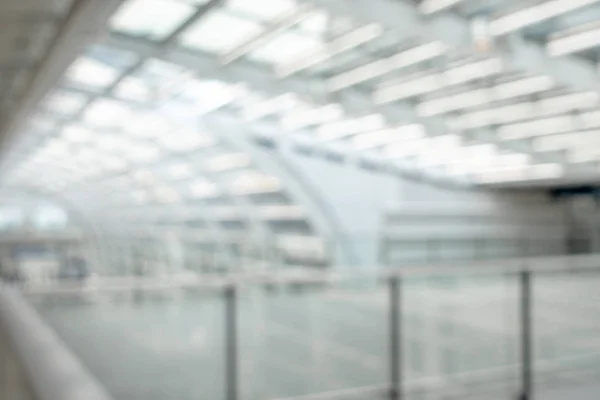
[{"x": 299, "y": 199}]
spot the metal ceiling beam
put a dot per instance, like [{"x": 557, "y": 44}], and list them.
[
  {"x": 262, "y": 78},
  {"x": 404, "y": 18}
]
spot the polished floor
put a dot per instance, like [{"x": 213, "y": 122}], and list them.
[{"x": 460, "y": 339}]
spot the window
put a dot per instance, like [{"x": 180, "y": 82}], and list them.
[
  {"x": 287, "y": 47},
  {"x": 89, "y": 72},
  {"x": 132, "y": 88},
  {"x": 184, "y": 141},
  {"x": 228, "y": 162},
  {"x": 263, "y": 10},
  {"x": 77, "y": 134},
  {"x": 65, "y": 103},
  {"x": 219, "y": 32},
  {"x": 154, "y": 19},
  {"x": 107, "y": 113}
]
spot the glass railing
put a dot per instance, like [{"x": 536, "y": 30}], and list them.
[{"x": 505, "y": 331}]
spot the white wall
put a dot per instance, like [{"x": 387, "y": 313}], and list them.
[
  {"x": 354, "y": 198},
  {"x": 361, "y": 203}
]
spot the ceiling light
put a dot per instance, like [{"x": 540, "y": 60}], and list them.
[
  {"x": 337, "y": 46},
  {"x": 228, "y": 162},
  {"x": 506, "y": 174},
  {"x": 184, "y": 141},
  {"x": 265, "y": 10},
  {"x": 535, "y": 14},
  {"x": 568, "y": 102},
  {"x": 556, "y": 142},
  {"x": 276, "y": 42},
  {"x": 90, "y": 72},
  {"x": 107, "y": 113},
  {"x": 545, "y": 171},
  {"x": 377, "y": 68},
  {"x": 455, "y": 102},
  {"x": 472, "y": 71},
  {"x": 148, "y": 125},
  {"x": 574, "y": 42},
  {"x": 407, "y": 89},
  {"x": 133, "y": 88},
  {"x": 440, "y": 150},
  {"x": 252, "y": 183},
  {"x": 494, "y": 116},
  {"x": 65, "y": 103},
  {"x": 219, "y": 32},
  {"x": 77, "y": 134},
  {"x": 279, "y": 213},
  {"x": 522, "y": 87},
  {"x": 154, "y": 19},
  {"x": 590, "y": 119},
  {"x": 432, "y": 6},
  {"x": 203, "y": 188},
  {"x": 537, "y": 127}
]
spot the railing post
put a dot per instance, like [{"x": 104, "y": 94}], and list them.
[
  {"x": 526, "y": 336},
  {"x": 395, "y": 338},
  {"x": 231, "y": 348}
]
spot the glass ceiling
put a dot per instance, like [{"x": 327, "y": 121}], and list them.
[{"x": 132, "y": 123}]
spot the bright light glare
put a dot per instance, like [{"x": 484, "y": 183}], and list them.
[
  {"x": 381, "y": 67},
  {"x": 264, "y": 9},
  {"x": 65, "y": 103},
  {"x": 535, "y": 14},
  {"x": 219, "y": 32},
  {"x": 574, "y": 42},
  {"x": 337, "y": 46},
  {"x": 408, "y": 89},
  {"x": 228, "y": 162},
  {"x": 179, "y": 171},
  {"x": 432, "y": 82},
  {"x": 538, "y": 127},
  {"x": 203, "y": 188},
  {"x": 77, "y": 134},
  {"x": 91, "y": 73},
  {"x": 347, "y": 127},
  {"x": 432, "y": 6},
  {"x": 150, "y": 18},
  {"x": 254, "y": 182},
  {"x": 107, "y": 113}
]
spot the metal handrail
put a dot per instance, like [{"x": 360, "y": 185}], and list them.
[
  {"x": 523, "y": 269},
  {"x": 514, "y": 266},
  {"x": 52, "y": 371}
]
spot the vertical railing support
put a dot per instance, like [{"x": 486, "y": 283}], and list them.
[
  {"x": 231, "y": 348},
  {"x": 395, "y": 337},
  {"x": 526, "y": 336}
]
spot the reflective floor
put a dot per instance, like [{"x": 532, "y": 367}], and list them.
[{"x": 460, "y": 337}]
